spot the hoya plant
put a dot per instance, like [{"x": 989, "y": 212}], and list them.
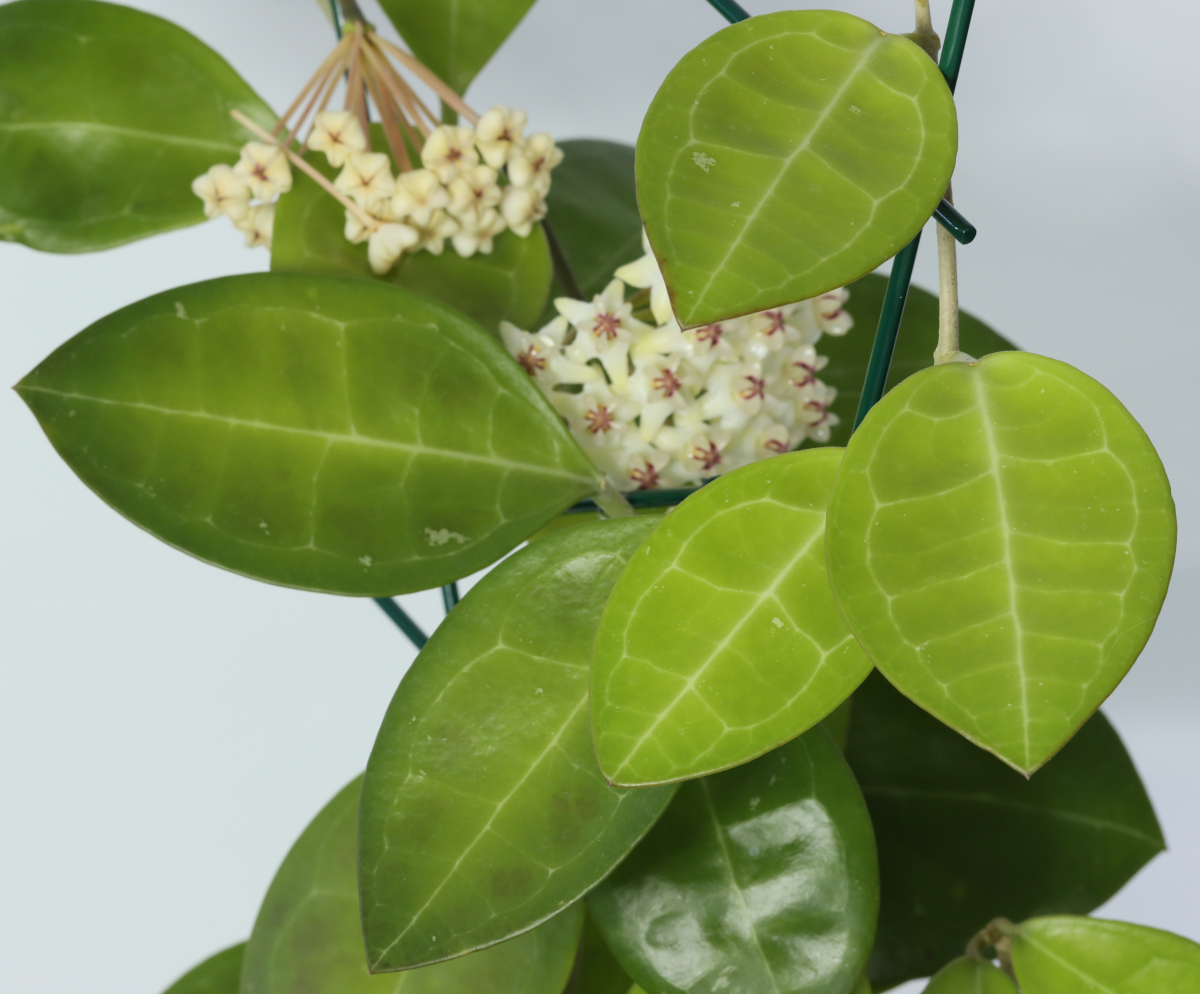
[{"x": 805, "y": 590}]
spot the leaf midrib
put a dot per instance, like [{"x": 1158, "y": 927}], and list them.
[{"x": 117, "y": 129}]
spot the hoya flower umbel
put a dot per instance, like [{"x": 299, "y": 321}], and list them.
[
  {"x": 338, "y": 134},
  {"x": 449, "y": 151},
  {"x": 498, "y": 133}
]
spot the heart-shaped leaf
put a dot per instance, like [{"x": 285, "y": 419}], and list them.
[
  {"x": 788, "y": 155},
  {"x": 1069, "y": 955},
  {"x": 722, "y": 639},
  {"x": 759, "y": 879},
  {"x": 1001, "y": 536},
  {"x": 455, "y": 38},
  {"x": 308, "y": 937},
  {"x": 322, "y": 433},
  {"x": 512, "y": 283},
  {"x": 219, "y": 974},
  {"x": 962, "y": 838},
  {"x": 94, "y": 153},
  {"x": 967, "y": 975},
  {"x": 483, "y": 809}
]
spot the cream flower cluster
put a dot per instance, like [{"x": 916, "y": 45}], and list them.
[
  {"x": 246, "y": 192},
  {"x": 457, "y": 195},
  {"x": 654, "y": 406}
]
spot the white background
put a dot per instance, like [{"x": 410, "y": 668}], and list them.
[{"x": 167, "y": 729}]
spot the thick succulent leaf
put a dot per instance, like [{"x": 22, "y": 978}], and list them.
[
  {"x": 512, "y": 283},
  {"x": 758, "y": 879},
  {"x": 1069, "y": 955},
  {"x": 483, "y": 810},
  {"x": 455, "y": 38},
  {"x": 850, "y": 354},
  {"x": 593, "y": 207},
  {"x": 107, "y": 114},
  {"x": 597, "y": 970},
  {"x": 219, "y": 974},
  {"x": 722, "y": 640},
  {"x": 966, "y": 975},
  {"x": 308, "y": 936},
  {"x": 962, "y": 838},
  {"x": 321, "y": 433},
  {"x": 787, "y": 155},
  {"x": 1001, "y": 536}
]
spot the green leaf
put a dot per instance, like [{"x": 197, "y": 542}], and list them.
[
  {"x": 593, "y": 207},
  {"x": 787, "y": 155},
  {"x": 1001, "y": 536},
  {"x": 966, "y": 975},
  {"x": 483, "y": 810},
  {"x": 849, "y": 354},
  {"x": 512, "y": 283},
  {"x": 758, "y": 879},
  {"x": 1068, "y": 955},
  {"x": 219, "y": 974},
  {"x": 320, "y": 433},
  {"x": 722, "y": 640},
  {"x": 308, "y": 939},
  {"x": 863, "y": 986},
  {"x": 455, "y": 38},
  {"x": 962, "y": 838},
  {"x": 107, "y": 114},
  {"x": 598, "y": 971}
]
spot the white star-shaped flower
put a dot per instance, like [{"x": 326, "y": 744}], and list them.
[
  {"x": 643, "y": 273},
  {"x": 449, "y": 150},
  {"x": 223, "y": 192},
  {"x": 265, "y": 169},
  {"x": 387, "y": 243},
  {"x": 497, "y": 133},
  {"x": 529, "y": 165},
  {"x": 366, "y": 178},
  {"x": 338, "y": 134}
]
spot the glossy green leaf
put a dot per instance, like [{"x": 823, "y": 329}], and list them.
[
  {"x": 593, "y": 207},
  {"x": 962, "y": 838},
  {"x": 219, "y": 974},
  {"x": 455, "y": 38},
  {"x": 107, "y": 114},
  {"x": 483, "y": 810},
  {"x": 966, "y": 975},
  {"x": 1001, "y": 535},
  {"x": 849, "y": 354},
  {"x": 788, "y": 155},
  {"x": 863, "y": 986},
  {"x": 512, "y": 283},
  {"x": 758, "y": 879},
  {"x": 308, "y": 937},
  {"x": 722, "y": 640},
  {"x": 837, "y": 723},
  {"x": 321, "y": 433},
  {"x": 598, "y": 971},
  {"x": 1069, "y": 955}
]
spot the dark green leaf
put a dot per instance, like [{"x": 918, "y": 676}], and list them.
[
  {"x": 455, "y": 38},
  {"x": 315, "y": 432},
  {"x": 966, "y": 975},
  {"x": 963, "y": 839},
  {"x": 107, "y": 114},
  {"x": 762, "y": 878},
  {"x": 598, "y": 971},
  {"x": 511, "y": 283},
  {"x": 219, "y": 974},
  {"x": 483, "y": 810},
  {"x": 308, "y": 937}
]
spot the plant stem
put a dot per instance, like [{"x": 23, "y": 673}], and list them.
[
  {"x": 351, "y": 11},
  {"x": 732, "y": 10},
  {"x": 562, "y": 268},
  {"x": 449, "y": 596},
  {"x": 947, "y": 348},
  {"x": 403, "y": 621}
]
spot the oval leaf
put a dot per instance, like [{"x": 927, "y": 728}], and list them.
[
  {"x": 321, "y": 433},
  {"x": 1001, "y": 536},
  {"x": 455, "y": 38},
  {"x": 963, "y": 838},
  {"x": 483, "y": 810},
  {"x": 512, "y": 283},
  {"x": 1068, "y": 955},
  {"x": 722, "y": 639},
  {"x": 219, "y": 974},
  {"x": 598, "y": 971},
  {"x": 93, "y": 154},
  {"x": 788, "y": 155},
  {"x": 308, "y": 939},
  {"x": 758, "y": 879},
  {"x": 970, "y": 976}
]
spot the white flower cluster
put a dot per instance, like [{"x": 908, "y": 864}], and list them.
[
  {"x": 654, "y": 406},
  {"x": 246, "y": 192}
]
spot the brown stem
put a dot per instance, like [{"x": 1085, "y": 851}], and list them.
[
  {"x": 562, "y": 268},
  {"x": 351, "y": 11}
]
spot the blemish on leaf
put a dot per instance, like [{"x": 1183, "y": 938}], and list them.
[
  {"x": 705, "y": 162},
  {"x": 441, "y": 536}
]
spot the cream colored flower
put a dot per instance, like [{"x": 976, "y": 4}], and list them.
[
  {"x": 258, "y": 225},
  {"x": 338, "y": 134},
  {"x": 530, "y": 164},
  {"x": 522, "y": 208},
  {"x": 265, "y": 168},
  {"x": 476, "y": 232},
  {"x": 367, "y": 179},
  {"x": 387, "y": 243},
  {"x": 829, "y": 312},
  {"x": 644, "y": 272},
  {"x": 449, "y": 150},
  {"x": 474, "y": 191},
  {"x": 418, "y": 194},
  {"x": 434, "y": 234},
  {"x": 497, "y": 133},
  {"x": 355, "y": 231},
  {"x": 223, "y": 192}
]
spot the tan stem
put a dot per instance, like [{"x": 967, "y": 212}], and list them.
[
  {"x": 318, "y": 78},
  {"x": 387, "y": 111},
  {"x": 419, "y": 70},
  {"x": 924, "y": 18},
  {"x": 319, "y": 99},
  {"x": 947, "y": 348}
]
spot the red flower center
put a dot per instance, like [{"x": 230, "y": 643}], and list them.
[
  {"x": 606, "y": 326},
  {"x": 599, "y": 419},
  {"x": 757, "y": 388},
  {"x": 708, "y": 456},
  {"x": 530, "y": 361},
  {"x": 667, "y": 382},
  {"x": 646, "y": 478}
]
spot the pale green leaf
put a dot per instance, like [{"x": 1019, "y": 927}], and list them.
[
  {"x": 970, "y": 976},
  {"x": 219, "y": 974}
]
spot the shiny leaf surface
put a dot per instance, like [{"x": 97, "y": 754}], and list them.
[
  {"x": 219, "y": 974},
  {"x": 93, "y": 154},
  {"x": 1001, "y": 536},
  {"x": 970, "y": 976},
  {"x": 863, "y": 986},
  {"x": 598, "y": 971},
  {"x": 788, "y": 155},
  {"x": 722, "y": 640},
  {"x": 483, "y": 810},
  {"x": 512, "y": 283},
  {"x": 321, "y": 433},
  {"x": 962, "y": 838},
  {"x": 308, "y": 937},
  {"x": 1068, "y": 955},
  {"x": 758, "y": 879},
  {"x": 455, "y": 38}
]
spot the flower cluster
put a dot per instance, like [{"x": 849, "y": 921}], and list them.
[
  {"x": 654, "y": 406},
  {"x": 246, "y": 192}
]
